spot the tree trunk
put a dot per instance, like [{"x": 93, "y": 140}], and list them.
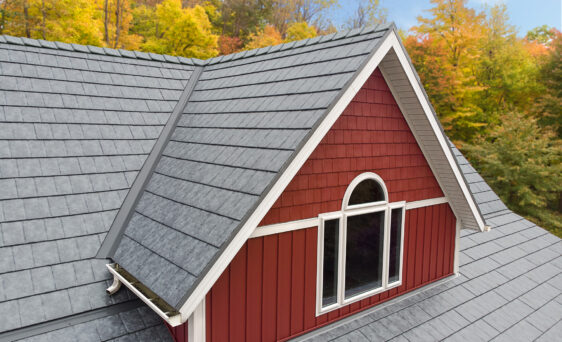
[
  {"x": 26, "y": 19},
  {"x": 43, "y": 14},
  {"x": 2, "y": 16},
  {"x": 117, "y": 24},
  {"x": 106, "y": 21}
]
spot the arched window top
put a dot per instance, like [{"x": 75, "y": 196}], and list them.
[{"x": 365, "y": 189}]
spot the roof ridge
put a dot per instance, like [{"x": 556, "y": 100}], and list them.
[
  {"x": 133, "y": 54},
  {"x": 303, "y": 42}
]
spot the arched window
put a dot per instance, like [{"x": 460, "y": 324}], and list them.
[
  {"x": 366, "y": 189},
  {"x": 360, "y": 247}
]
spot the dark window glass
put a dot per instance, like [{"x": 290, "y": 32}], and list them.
[
  {"x": 364, "y": 253},
  {"x": 395, "y": 240},
  {"x": 367, "y": 191},
  {"x": 330, "y": 270}
]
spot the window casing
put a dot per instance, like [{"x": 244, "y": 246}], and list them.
[{"x": 360, "y": 248}]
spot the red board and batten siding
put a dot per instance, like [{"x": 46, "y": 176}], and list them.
[{"x": 268, "y": 292}]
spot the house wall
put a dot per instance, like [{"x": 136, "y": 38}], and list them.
[{"x": 268, "y": 292}]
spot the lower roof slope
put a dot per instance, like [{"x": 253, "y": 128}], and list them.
[
  {"x": 509, "y": 288},
  {"x": 242, "y": 124},
  {"x": 76, "y": 126}
]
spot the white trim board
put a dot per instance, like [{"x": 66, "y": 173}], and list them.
[
  {"x": 389, "y": 41},
  {"x": 284, "y": 227},
  {"x": 196, "y": 324}
]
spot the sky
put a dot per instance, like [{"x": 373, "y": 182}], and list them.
[{"x": 524, "y": 14}]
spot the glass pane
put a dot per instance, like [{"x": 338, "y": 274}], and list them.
[
  {"x": 364, "y": 253},
  {"x": 395, "y": 241},
  {"x": 367, "y": 191},
  {"x": 330, "y": 267}
]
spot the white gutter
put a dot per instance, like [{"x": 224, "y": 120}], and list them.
[{"x": 172, "y": 318}]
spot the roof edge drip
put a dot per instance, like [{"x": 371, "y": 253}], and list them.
[{"x": 111, "y": 241}]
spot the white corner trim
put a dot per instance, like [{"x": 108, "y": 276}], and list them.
[
  {"x": 283, "y": 181},
  {"x": 196, "y": 324},
  {"x": 458, "y": 226},
  {"x": 435, "y": 126},
  {"x": 426, "y": 203},
  {"x": 284, "y": 227},
  {"x": 171, "y": 320}
]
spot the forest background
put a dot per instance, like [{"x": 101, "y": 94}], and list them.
[{"x": 497, "y": 94}]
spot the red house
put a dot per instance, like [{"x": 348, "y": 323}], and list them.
[{"x": 326, "y": 173}]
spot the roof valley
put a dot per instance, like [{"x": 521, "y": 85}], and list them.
[{"x": 124, "y": 214}]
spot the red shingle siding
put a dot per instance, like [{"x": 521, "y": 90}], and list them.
[{"x": 371, "y": 135}]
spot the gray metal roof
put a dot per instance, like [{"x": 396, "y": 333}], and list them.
[
  {"x": 76, "y": 125},
  {"x": 509, "y": 288},
  {"x": 242, "y": 124}
]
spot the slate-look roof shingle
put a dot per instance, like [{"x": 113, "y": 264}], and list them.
[
  {"x": 69, "y": 114},
  {"x": 76, "y": 125},
  {"x": 509, "y": 288},
  {"x": 244, "y": 120}
]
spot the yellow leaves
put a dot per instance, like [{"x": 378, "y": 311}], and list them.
[
  {"x": 300, "y": 31},
  {"x": 182, "y": 31},
  {"x": 268, "y": 36}
]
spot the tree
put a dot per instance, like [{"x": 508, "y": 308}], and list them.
[
  {"x": 240, "y": 18},
  {"x": 182, "y": 31},
  {"x": 368, "y": 13},
  {"x": 228, "y": 45},
  {"x": 117, "y": 17},
  {"x": 300, "y": 31},
  {"x": 522, "y": 162},
  {"x": 542, "y": 35},
  {"x": 268, "y": 36},
  {"x": 505, "y": 71},
  {"x": 549, "y": 108}
]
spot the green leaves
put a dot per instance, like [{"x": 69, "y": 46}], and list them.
[{"x": 522, "y": 162}]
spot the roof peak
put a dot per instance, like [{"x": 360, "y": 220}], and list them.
[{"x": 56, "y": 45}]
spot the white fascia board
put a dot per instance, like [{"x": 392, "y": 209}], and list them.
[
  {"x": 283, "y": 181},
  {"x": 414, "y": 82}
]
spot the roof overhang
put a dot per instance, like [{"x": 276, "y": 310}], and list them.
[{"x": 433, "y": 142}]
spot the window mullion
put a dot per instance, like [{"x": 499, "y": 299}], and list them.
[
  {"x": 386, "y": 250},
  {"x": 341, "y": 261}
]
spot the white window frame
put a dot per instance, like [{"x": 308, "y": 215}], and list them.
[{"x": 342, "y": 215}]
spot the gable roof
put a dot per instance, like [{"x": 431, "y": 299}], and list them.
[
  {"x": 230, "y": 132},
  {"x": 76, "y": 125},
  {"x": 509, "y": 287},
  {"x": 249, "y": 123}
]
